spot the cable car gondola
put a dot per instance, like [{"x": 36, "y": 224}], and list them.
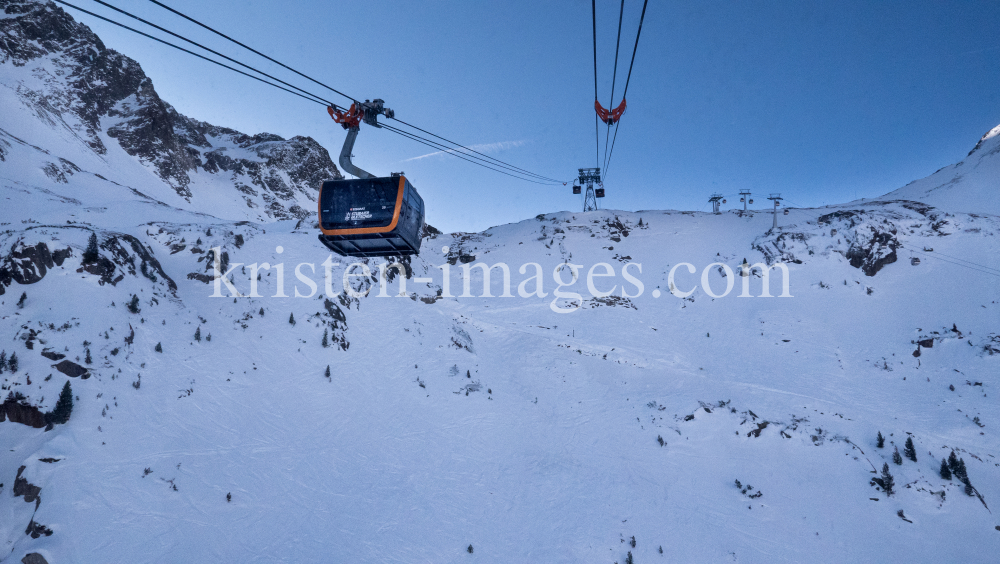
[
  {"x": 368, "y": 216},
  {"x": 599, "y": 192},
  {"x": 577, "y": 189},
  {"x": 371, "y": 217}
]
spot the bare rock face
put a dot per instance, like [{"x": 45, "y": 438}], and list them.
[
  {"x": 34, "y": 558},
  {"x": 23, "y": 487},
  {"x": 37, "y": 530},
  {"x": 72, "y": 369},
  {"x": 28, "y": 265},
  {"x": 21, "y": 412},
  {"x": 873, "y": 250}
]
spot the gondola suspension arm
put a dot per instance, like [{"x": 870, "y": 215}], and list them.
[{"x": 367, "y": 111}]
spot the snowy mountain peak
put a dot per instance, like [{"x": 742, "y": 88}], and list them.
[
  {"x": 991, "y": 134},
  {"x": 72, "y": 94},
  {"x": 969, "y": 185}
]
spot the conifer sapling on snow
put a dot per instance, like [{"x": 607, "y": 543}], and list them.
[
  {"x": 960, "y": 471},
  {"x": 887, "y": 480},
  {"x": 90, "y": 255},
  {"x": 64, "y": 406},
  {"x": 326, "y": 340},
  {"x": 261, "y": 312},
  {"x": 880, "y": 440},
  {"x": 133, "y": 305},
  {"x": 12, "y": 363},
  {"x": 3, "y": 361},
  {"x": 291, "y": 319},
  {"x": 908, "y": 449},
  {"x": 197, "y": 334},
  {"x": 158, "y": 348},
  {"x": 896, "y": 458},
  {"x": 327, "y": 374},
  {"x": 945, "y": 471},
  {"x": 20, "y": 302},
  {"x": 88, "y": 359}
]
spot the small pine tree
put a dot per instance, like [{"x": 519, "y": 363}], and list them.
[
  {"x": 64, "y": 406},
  {"x": 880, "y": 440},
  {"x": 88, "y": 359},
  {"x": 197, "y": 334},
  {"x": 91, "y": 254},
  {"x": 945, "y": 471},
  {"x": 887, "y": 480},
  {"x": 960, "y": 471},
  {"x": 470, "y": 549},
  {"x": 3, "y": 361},
  {"x": 326, "y": 339},
  {"x": 12, "y": 363},
  {"x": 20, "y": 302},
  {"x": 327, "y": 374},
  {"x": 133, "y": 304},
  {"x": 953, "y": 462},
  {"x": 158, "y": 348},
  {"x": 261, "y": 312},
  {"x": 628, "y": 559},
  {"x": 229, "y": 497},
  {"x": 291, "y": 319},
  {"x": 896, "y": 458},
  {"x": 969, "y": 490},
  {"x": 909, "y": 451},
  {"x": 208, "y": 337}
]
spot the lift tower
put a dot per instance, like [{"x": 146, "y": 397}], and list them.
[
  {"x": 589, "y": 176},
  {"x": 715, "y": 200},
  {"x": 745, "y": 197},
  {"x": 775, "y": 198}
]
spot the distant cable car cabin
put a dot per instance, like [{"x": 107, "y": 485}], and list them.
[
  {"x": 599, "y": 192},
  {"x": 577, "y": 189},
  {"x": 368, "y": 216}
]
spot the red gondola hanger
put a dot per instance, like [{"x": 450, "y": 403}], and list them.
[
  {"x": 612, "y": 116},
  {"x": 351, "y": 118}
]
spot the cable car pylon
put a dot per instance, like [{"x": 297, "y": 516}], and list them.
[
  {"x": 776, "y": 198},
  {"x": 589, "y": 176}
]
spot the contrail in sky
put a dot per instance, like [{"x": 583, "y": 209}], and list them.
[{"x": 482, "y": 147}]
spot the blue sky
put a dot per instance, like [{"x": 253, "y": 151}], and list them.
[{"x": 821, "y": 101}]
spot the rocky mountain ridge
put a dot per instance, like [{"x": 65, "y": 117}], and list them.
[{"x": 62, "y": 73}]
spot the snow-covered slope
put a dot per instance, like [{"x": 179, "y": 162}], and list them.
[
  {"x": 971, "y": 185},
  {"x": 619, "y": 425}
]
